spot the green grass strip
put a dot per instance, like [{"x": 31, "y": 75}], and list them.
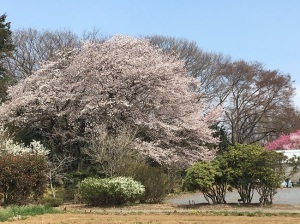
[{"x": 21, "y": 212}]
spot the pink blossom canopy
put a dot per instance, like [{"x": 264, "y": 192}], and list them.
[
  {"x": 285, "y": 142},
  {"x": 122, "y": 81}
]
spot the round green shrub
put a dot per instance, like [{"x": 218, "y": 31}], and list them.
[
  {"x": 154, "y": 180},
  {"x": 110, "y": 191},
  {"x": 53, "y": 202}
]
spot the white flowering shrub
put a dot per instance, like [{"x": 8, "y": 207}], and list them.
[
  {"x": 35, "y": 147},
  {"x": 111, "y": 191}
]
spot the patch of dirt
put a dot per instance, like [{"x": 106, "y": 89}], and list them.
[
  {"x": 168, "y": 214},
  {"x": 203, "y": 207},
  {"x": 152, "y": 218}
]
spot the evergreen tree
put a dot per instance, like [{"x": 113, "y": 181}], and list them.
[{"x": 6, "y": 49}]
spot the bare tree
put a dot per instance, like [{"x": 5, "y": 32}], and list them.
[
  {"x": 57, "y": 169},
  {"x": 204, "y": 66},
  {"x": 255, "y": 96},
  {"x": 34, "y": 47},
  {"x": 284, "y": 121},
  {"x": 113, "y": 152},
  {"x": 256, "y": 100},
  {"x": 94, "y": 36}
]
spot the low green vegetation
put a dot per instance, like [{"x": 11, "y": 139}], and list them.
[
  {"x": 252, "y": 167},
  {"x": 111, "y": 191},
  {"x": 21, "y": 212},
  {"x": 243, "y": 167},
  {"x": 153, "y": 179},
  {"x": 210, "y": 178}
]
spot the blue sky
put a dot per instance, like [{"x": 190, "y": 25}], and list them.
[{"x": 267, "y": 31}]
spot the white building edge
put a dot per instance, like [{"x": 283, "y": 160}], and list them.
[{"x": 290, "y": 154}]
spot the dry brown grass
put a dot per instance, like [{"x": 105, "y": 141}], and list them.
[
  {"x": 152, "y": 218},
  {"x": 170, "y": 214}
]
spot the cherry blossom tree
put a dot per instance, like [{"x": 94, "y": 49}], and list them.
[
  {"x": 121, "y": 82},
  {"x": 285, "y": 142}
]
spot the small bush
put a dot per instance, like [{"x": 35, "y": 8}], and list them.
[
  {"x": 48, "y": 198},
  {"x": 69, "y": 193},
  {"x": 22, "y": 176},
  {"x": 22, "y": 172},
  {"x": 154, "y": 180},
  {"x": 111, "y": 191},
  {"x": 53, "y": 202}
]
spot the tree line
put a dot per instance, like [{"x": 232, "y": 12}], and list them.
[{"x": 257, "y": 101}]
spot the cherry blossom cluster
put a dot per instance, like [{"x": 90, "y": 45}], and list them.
[{"x": 285, "y": 142}]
